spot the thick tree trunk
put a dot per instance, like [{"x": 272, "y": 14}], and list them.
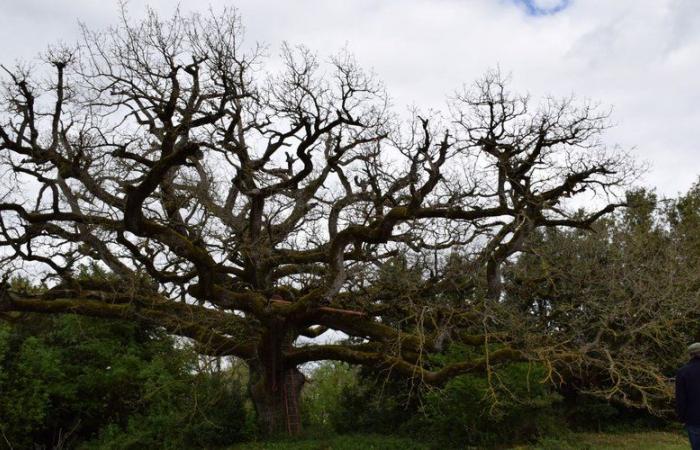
[
  {"x": 275, "y": 388},
  {"x": 276, "y": 399}
]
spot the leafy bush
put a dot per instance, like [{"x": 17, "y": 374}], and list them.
[
  {"x": 321, "y": 397},
  {"x": 377, "y": 403},
  {"x": 470, "y": 410},
  {"x": 512, "y": 407},
  {"x": 206, "y": 414},
  {"x": 67, "y": 380}
]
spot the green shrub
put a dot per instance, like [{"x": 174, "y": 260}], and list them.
[
  {"x": 207, "y": 414},
  {"x": 321, "y": 397},
  {"x": 377, "y": 403},
  {"x": 69, "y": 380},
  {"x": 514, "y": 406}
]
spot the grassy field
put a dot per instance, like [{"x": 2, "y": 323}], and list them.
[
  {"x": 350, "y": 442},
  {"x": 578, "y": 441},
  {"x": 624, "y": 441}
]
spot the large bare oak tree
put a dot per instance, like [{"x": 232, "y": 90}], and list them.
[{"x": 246, "y": 206}]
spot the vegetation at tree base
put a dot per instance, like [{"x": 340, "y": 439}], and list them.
[
  {"x": 76, "y": 382},
  {"x": 465, "y": 413}
]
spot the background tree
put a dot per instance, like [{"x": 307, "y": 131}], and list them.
[
  {"x": 244, "y": 210},
  {"x": 626, "y": 296}
]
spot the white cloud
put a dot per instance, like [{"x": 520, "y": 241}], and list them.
[{"x": 640, "y": 56}]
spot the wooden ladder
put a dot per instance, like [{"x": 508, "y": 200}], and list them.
[{"x": 291, "y": 404}]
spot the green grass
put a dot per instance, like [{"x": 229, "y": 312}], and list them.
[
  {"x": 347, "y": 442},
  {"x": 654, "y": 440}
]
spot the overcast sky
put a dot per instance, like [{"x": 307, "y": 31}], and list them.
[{"x": 642, "y": 57}]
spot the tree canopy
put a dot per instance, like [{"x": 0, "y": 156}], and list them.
[{"x": 246, "y": 204}]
